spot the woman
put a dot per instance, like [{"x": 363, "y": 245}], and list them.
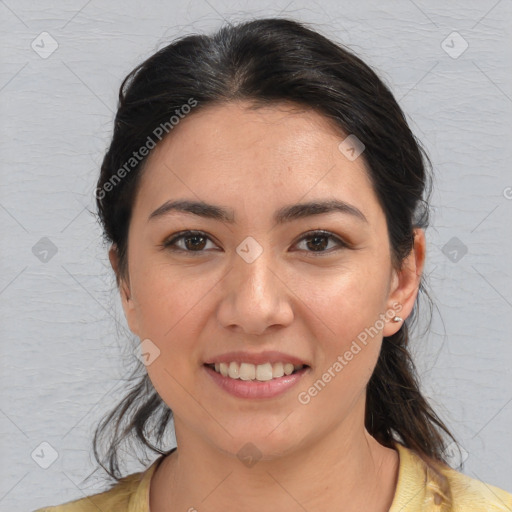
[{"x": 266, "y": 204}]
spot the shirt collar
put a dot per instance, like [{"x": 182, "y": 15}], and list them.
[
  {"x": 421, "y": 485},
  {"x": 139, "y": 500}
]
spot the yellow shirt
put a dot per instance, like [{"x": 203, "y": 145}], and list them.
[{"x": 420, "y": 488}]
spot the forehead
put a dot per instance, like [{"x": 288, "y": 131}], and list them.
[{"x": 266, "y": 155}]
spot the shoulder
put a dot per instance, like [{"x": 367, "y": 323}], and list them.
[
  {"x": 124, "y": 494},
  {"x": 443, "y": 489},
  {"x": 469, "y": 494}
]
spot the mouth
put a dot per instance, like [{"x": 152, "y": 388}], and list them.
[{"x": 252, "y": 372}]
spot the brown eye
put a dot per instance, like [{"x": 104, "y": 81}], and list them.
[
  {"x": 318, "y": 241},
  {"x": 196, "y": 241},
  {"x": 193, "y": 241}
]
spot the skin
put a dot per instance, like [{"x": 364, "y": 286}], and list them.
[{"x": 193, "y": 306}]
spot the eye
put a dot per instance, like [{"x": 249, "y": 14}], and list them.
[
  {"x": 193, "y": 241},
  {"x": 196, "y": 242},
  {"x": 319, "y": 240}
]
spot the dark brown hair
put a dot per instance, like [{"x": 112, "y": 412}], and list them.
[{"x": 270, "y": 61}]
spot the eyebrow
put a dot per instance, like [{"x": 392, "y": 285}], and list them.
[{"x": 285, "y": 214}]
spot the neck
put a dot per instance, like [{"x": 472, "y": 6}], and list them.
[{"x": 346, "y": 469}]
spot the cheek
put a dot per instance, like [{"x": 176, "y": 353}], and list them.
[
  {"x": 343, "y": 312},
  {"x": 168, "y": 298},
  {"x": 171, "y": 313},
  {"x": 345, "y": 302},
  {"x": 347, "y": 332}
]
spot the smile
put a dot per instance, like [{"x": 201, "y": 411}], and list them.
[
  {"x": 259, "y": 372},
  {"x": 246, "y": 380}
]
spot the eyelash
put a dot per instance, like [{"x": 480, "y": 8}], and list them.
[{"x": 169, "y": 243}]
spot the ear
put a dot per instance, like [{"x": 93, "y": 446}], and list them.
[
  {"x": 124, "y": 289},
  {"x": 405, "y": 283}
]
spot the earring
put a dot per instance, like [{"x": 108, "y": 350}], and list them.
[{"x": 397, "y": 319}]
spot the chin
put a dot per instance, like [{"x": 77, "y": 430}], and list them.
[{"x": 251, "y": 447}]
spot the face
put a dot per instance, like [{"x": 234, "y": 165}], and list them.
[{"x": 270, "y": 289}]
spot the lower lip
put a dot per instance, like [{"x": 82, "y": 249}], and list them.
[{"x": 254, "y": 388}]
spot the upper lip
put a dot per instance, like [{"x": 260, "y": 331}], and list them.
[{"x": 256, "y": 358}]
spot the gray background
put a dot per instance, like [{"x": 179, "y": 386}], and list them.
[{"x": 62, "y": 328}]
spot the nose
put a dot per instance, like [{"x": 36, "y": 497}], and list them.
[{"x": 255, "y": 296}]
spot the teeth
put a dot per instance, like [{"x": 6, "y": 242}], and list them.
[
  {"x": 264, "y": 372},
  {"x": 234, "y": 370},
  {"x": 260, "y": 372},
  {"x": 247, "y": 371},
  {"x": 277, "y": 370},
  {"x": 288, "y": 368}
]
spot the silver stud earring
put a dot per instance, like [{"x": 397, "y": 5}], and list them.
[{"x": 397, "y": 319}]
